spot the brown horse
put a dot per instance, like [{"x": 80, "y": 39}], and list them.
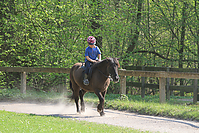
[{"x": 98, "y": 83}]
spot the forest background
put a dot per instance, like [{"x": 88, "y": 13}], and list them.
[{"x": 53, "y": 33}]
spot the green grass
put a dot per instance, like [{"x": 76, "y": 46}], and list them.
[
  {"x": 134, "y": 103},
  {"x": 19, "y": 123}
]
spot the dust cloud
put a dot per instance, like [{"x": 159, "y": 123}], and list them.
[{"x": 63, "y": 107}]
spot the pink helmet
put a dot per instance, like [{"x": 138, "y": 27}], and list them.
[{"x": 91, "y": 40}]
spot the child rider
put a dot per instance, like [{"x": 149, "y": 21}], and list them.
[{"x": 92, "y": 55}]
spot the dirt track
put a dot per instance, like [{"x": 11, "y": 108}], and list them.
[{"x": 119, "y": 118}]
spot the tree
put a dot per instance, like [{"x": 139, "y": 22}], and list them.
[
  {"x": 52, "y": 33},
  {"x": 134, "y": 33}
]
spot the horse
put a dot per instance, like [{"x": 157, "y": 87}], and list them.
[{"x": 99, "y": 81}]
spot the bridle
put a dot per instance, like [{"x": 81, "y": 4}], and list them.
[
  {"x": 103, "y": 73},
  {"x": 109, "y": 76}
]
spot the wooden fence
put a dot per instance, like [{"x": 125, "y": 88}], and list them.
[
  {"x": 169, "y": 81},
  {"x": 162, "y": 75}
]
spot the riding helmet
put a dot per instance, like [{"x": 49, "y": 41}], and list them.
[{"x": 91, "y": 40}]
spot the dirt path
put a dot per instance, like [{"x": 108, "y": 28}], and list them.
[{"x": 119, "y": 118}]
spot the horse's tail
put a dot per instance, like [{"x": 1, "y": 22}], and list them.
[
  {"x": 71, "y": 96},
  {"x": 71, "y": 86}
]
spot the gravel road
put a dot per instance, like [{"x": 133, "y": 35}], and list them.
[{"x": 113, "y": 117}]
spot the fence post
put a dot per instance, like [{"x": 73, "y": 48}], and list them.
[
  {"x": 195, "y": 90},
  {"x": 23, "y": 82},
  {"x": 172, "y": 83},
  {"x": 162, "y": 82},
  {"x": 168, "y": 91},
  {"x": 123, "y": 84},
  {"x": 143, "y": 82}
]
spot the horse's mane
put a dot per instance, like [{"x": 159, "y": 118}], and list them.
[
  {"x": 101, "y": 63},
  {"x": 98, "y": 64}
]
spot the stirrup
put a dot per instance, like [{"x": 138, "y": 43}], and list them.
[{"x": 86, "y": 82}]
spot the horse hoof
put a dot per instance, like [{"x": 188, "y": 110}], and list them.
[
  {"x": 102, "y": 113},
  {"x": 83, "y": 109},
  {"x": 98, "y": 110}
]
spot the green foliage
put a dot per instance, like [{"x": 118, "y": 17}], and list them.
[
  {"x": 5, "y": 93},
  {"x": 51, "y": 33},
  {"x": 123, "y": 97},
  {"x": 32, "y": 95},
  {"x": 46, "y": 81}
]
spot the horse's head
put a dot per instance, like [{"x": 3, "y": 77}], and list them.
[{"x": 112, "y": 68}]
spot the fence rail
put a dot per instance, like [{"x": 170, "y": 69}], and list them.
[
  {"x": 160, "y": 69},
  {"x": 162, "y": 75},
  {"x": 35, "y": 69}
]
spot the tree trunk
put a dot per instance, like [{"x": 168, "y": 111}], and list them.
[
  {"x": 197, "y": 30},
  {"x": 134, "y": 34},
  {"x": 181, "y": 46}
]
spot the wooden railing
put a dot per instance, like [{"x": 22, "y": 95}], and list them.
[
  {"x": 162, "y": 75},
  {"x": 24, "y": 70},
  {"x": 169, "y": 81}
]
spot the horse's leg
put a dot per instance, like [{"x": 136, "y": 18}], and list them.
[
  {"x": 103, "y": 95},
  {"x": 100, "y": 106},
  {"x": 76, "y": 96},
  {"x": 81, "y": 94}
]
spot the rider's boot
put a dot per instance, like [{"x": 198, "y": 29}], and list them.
[{"x": 86, "y": 81}]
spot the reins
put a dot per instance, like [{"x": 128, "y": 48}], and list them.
[
  {"x": 109, "y": 75},
  {"x": 103, "y": 73}
]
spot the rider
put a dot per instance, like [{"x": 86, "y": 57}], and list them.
[{"x": 92, "y": 55}]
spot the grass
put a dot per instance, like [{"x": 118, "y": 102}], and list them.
[
  {"x": 134, "y": 103},
  {"x": 18, "y": 123}
]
